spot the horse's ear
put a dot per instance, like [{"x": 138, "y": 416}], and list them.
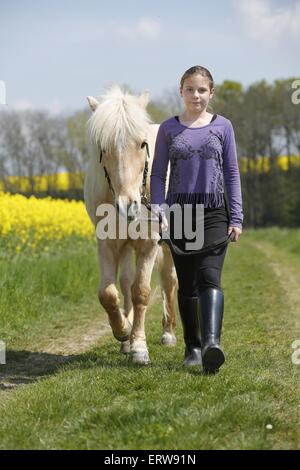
[
  {"x": 92, "y": 102},
  {"x": 144, "y": 98}
]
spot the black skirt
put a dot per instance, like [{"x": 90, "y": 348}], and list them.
[{"x": 215, "y": 231}]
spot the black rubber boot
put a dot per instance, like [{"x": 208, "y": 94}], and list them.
[
  {"x": 189, "y": 314},
  {"x": 211, "y": 316}
]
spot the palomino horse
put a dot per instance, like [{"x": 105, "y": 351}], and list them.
[{"x": 125, "y": 137}]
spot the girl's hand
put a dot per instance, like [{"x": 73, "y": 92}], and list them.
[
  {"x": 164, "y": 224},
  {"x": 235, "y": 233}
]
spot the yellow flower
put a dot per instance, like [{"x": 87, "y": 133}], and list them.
[{"x": 34, "y": 223}]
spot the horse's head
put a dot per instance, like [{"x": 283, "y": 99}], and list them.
[{"x": 119, "y": 126}]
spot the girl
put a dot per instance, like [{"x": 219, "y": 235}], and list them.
[{"x": 201, "y": 149}]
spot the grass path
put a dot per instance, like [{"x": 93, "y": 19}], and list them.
[
  {"x": 62, "y": 344},
  {"x": 287, "y": 270},
  {"x": 91, "y": 398}
]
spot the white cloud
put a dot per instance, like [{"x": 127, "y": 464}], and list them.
[
  {"x": 265, "y": 22},
  {"x": 148, "y": 28},
  {"x": 144, "y": 28}
]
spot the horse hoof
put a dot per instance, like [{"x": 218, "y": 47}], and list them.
[
  {"x": 168, "y": 339},
  {"x": 140, "y": 358},
  {"x": 126, "y": 334},
  {"x": 122, "y": 339},
  {"x": 125, "y": 347}
]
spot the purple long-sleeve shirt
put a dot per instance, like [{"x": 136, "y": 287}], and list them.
[{"x": 202, "y": 159}]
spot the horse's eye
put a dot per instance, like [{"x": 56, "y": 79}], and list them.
[{"x": 143, "y": 144}]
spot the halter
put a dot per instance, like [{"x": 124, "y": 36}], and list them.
[{"x": 144, "y": 199}]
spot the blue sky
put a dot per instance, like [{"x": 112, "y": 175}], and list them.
[{"x": 55, "y": 53}]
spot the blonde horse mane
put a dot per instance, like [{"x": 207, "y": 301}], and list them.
[{"x": 118, "y": 117}]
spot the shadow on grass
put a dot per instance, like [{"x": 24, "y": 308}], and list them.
[{"x": 26, "y": 367}]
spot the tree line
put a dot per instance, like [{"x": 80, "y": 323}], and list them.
[{"x": 266, "y": 121}]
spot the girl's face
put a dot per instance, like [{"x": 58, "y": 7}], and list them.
[{"x": 196, "y": 93}]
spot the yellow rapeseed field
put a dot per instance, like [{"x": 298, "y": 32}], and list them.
[
  {"x": 262, "y": 164},
  {"x": 36, "y": 224},
  {"x": 59, "y": 182},
  {"x": 66, "y": 181}
]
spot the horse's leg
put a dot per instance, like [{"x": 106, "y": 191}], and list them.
[
  {"x": 169, "y": 284},
  {"x": 141, "y": 290},
  {"x": 127, "y": 274},
  {"x": 108, "y": 293}
]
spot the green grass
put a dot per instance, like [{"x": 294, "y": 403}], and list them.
[
  {"x": 282, "y": 238},
  {"x": 38, "y": 294},
  {"x": 97, "y": 400}
]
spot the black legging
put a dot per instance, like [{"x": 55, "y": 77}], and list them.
[{"x": 198, "y": 271}]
